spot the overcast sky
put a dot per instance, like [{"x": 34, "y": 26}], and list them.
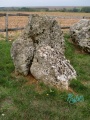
[{"x": 12, "y": 3}]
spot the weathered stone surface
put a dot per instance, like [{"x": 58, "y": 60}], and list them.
[
  {"x": 38, "y": 31},
  {"x": 51, "y": 66},
  {"x": 40, "y": 51},
  {"x": 80, "y": 33},
  {"x": 22, "y": 54}
]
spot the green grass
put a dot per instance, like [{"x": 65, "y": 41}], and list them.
[{"x": 19, "y": 101}]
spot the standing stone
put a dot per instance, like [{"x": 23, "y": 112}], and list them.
[
  {"x": 80, "y": 34},
  {"x": 40, "y": 51}
]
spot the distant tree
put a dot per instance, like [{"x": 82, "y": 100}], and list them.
[
  {"x": 75, "y": 10},
  {"x": 63, "y": 10},
  {"x": 85, "y": 9}
]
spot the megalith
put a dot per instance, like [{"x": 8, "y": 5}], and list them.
[{"x": 40, "y": 51}]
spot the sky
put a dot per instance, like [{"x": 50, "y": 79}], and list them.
[{"x": 18, "y": 3}]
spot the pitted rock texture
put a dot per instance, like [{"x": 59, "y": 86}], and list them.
[
  {"x": 80, "y": 34},
  {"x": 51, "y": 66},
  {"x": 40, "y": 51},
  {"x": 22, "y": 52}
]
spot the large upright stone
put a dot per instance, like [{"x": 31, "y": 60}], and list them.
[
  {"x": 39, "y": 30},
  {"x": 80, "y": 33},
  {"x": 40, "y": 51}
]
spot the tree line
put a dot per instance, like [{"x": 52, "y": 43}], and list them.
[
  {"x": 75, "y": 9},
  {"x": 29, "y": 9}
]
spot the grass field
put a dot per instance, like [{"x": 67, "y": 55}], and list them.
[{"x": 26, "y": 99}]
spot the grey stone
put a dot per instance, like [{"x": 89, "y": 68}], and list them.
[
  {"x": 51, "y": 67},
  {"x": 40, "y": 51},
  {"x": 80, "y": 34},
  {"x": 22, "y": 54}
]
